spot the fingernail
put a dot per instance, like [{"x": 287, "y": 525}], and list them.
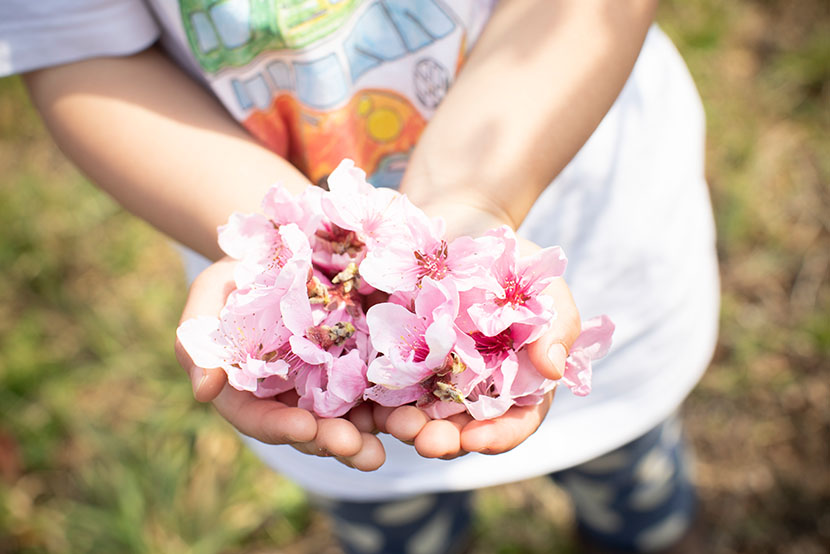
[
  {"x": 197, "y": 378},
  {"x": 557, "y": 356}
]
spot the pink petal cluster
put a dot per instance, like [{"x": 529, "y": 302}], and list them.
[{"x": 450, "y": 337}]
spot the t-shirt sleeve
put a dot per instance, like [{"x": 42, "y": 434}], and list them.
[{"x": 40, "y": 34}]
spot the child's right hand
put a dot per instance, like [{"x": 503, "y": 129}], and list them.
[{"x": 272, "y": 421}]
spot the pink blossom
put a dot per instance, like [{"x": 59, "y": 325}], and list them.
[
  {"x": 333, "y": 389},
  {"x": 376, "y": 215},
  {"x": 317, "y": 336},
  {"x": 401, "y": 265},
  {"x": 426, "y": 357},
  {"x": 335, "y": 247},
  {"x": 517, "y": 297},
  {"x": 414, "y": 345},
  {"x": 395, "y": 397},
  {"x": 493, "y": 397},
  {"x": 248, "y": 345},
  {"x": 592, "y": 343},
  {"x": 282, "y": 208},
  {"x": 262, "y": 248}
]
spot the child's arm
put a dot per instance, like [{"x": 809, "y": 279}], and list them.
[
  {"x": 165, "y": 149},
  {"x": 538, "y": 82},
  {"x": 158, "y": 142}
]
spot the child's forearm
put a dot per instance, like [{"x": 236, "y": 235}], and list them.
[
  {"x": 537, "y": 83},
  {"x": 156, "y": 141}
]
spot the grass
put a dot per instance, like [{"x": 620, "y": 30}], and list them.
[{"x": 103, "y": 450}]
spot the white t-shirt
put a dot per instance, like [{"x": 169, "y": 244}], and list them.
[{"x": 631, "y": 210}]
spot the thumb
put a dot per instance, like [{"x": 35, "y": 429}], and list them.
[
  {"x": 207, "y": 296},
  {"x": 549, "y": 352}
]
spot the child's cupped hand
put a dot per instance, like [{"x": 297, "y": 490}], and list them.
[
  {"x": 350, "y": 438},
  {"x": 273, "y": 421}
]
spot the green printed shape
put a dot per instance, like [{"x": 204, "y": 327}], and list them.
[{"x": 231, "y": 33}]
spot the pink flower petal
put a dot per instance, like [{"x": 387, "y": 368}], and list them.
[
  {"x": 388, "y": 323},
  {"x": 203, "y": 341},
  {"x": 347, "y": 377},
  {"x": 440, "y": 338},
  {"x": 394, "y": 397}
]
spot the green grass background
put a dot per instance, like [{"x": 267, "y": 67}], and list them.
[{"x": 103, "y": 450}]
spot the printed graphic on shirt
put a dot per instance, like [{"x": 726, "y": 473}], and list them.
[{"x": 320, "y": 80}]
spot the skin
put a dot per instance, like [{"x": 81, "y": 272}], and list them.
[{"x": 525, "y": 102}]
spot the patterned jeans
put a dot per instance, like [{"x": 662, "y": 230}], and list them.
[{"x": 638, "y": 498}]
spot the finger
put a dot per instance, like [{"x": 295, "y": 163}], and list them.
[
  {"x": 266, "y": 420},
  {"x": 207, "y": 296},
  {"x": 454, "y": 456},
  {"x": 406, "y": 422},
  {"x": 439, "y": 438},
  {"x": 338, "y": 437},
  {"x": 370, "y": 457},
  {"x": 380, "y": 414},
  {"x": 461, "y": 419},
  {"x": 206, "y": 383},
  {"x": 549, "y": 352},
  {"x": 361, "y": 417},
  {"x": 210, "y": 290},
  {"x": 494, "y": 436}
]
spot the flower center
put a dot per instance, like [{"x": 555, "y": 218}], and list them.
[
  {"x": 433, "y": 264},
  {"x": 415, "y": 342},
  {"x": 495, "y": 347},
  {"x": 285, "y": 354},
  {"x": 326, "y": 336},
  {"x": 340, "y": 241},
  {"x": 515, "y": 292}
]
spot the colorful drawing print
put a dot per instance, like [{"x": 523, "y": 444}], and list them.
[
  {"x": 231, "y": 33},
  {"x": 375, "y": 128},
  {"x": 332, "y": 99}
]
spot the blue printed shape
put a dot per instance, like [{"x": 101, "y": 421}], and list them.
[
  {"x": 373, "y": 40},
  {"x": 420, "y": 22},
  {"x": 321, "y": 83},
  {"x": 281, "y": 75},
  {"x": 390, "y": 170},
  {"x": 205, "y": 35},
  {"x": 241, "y": 94},
  {"x": 231, "y": 19},
  {"x": 258, "y": 92}
]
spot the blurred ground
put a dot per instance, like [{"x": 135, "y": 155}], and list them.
[{"x": 102, "y": 449}]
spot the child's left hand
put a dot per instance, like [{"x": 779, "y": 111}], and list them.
[{"x": 273, "y": 421}]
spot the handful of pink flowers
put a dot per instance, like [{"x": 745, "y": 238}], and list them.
[{"x": 449, "y": 338}]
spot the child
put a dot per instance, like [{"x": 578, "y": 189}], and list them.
[{"x": 500, "y": 140}]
